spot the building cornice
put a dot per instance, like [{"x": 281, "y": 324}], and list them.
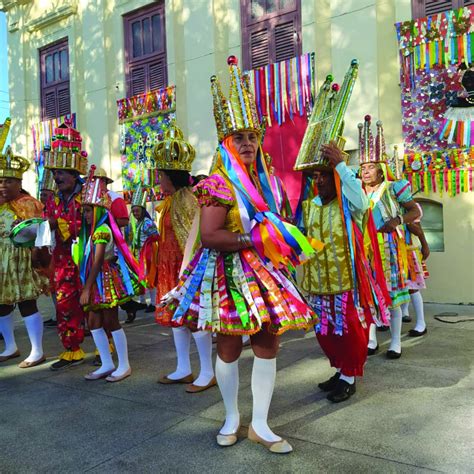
[
  {"x": 6, "y": 5},
  {"x": 52, "y": 17}
]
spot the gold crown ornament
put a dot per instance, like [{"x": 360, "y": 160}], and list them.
[
  {"x": 48, "y": 183},
  {"x": 94, "y": 191},
  {"x": 371, "y": 150},
  {"x": 11, "y": 165},
  {"x": 326, "y": 122},
  {"x": 173, "y": 152},
  {"x": 101, "y": 173},
  {"x": 139, "y": 196},
  {"x": 239, "y": 111}
]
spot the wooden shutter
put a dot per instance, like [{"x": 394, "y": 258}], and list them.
[
  {"x": 137, "y": 79},
  {"x": 63, "y": 100},
  {"x": 259, "y": 48},
  {"x": 437, "y": 6},
  {"x": 286, "y": 41},
  {"x": 49, "y": 105},
  {"x": 157, "y": 75}
]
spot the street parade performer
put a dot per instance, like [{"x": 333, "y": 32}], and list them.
[
  {"x": 20, "y": 283},
  {"x": 392, "y": 206},
  {"x": 68, "y": 162},
  {"x": 174, "y": 157},
  {"x": 109, "y": 275},
  {"x": 237, "y": 282},
  {"x": 342, "y": 286}
]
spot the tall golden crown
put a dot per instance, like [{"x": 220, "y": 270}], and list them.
[
  {"x": 48, "y": 183},
  {"x": 371, "y": 150},
  {"x": 139, "y": 196},
  {"x": 12, "y": 166},
  {"x": 173, "y": 152},
  {"x": 239, "y": 112},
  {"x": 326, "y": 121},
  {"x": 94, "y": 191}
]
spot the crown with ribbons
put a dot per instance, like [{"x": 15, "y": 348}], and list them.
[
  {"x": 174, "y": 152},
  {"x": 94, "y": 191},
  {"x": 48, "y": 183},
  {"x": 371, "y": 149},
  {"x": 239, "y": 111},
  {"x": 139, "y": 196}
]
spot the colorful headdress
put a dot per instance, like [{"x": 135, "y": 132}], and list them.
[
  {"x": 101, "y": 173},
  {"x": 48, "y": 183},
  {"x": 139, "y": 196},
  {"x": 371, "y": 150},
  {"x": 239, "y": 112},
  {"x": 12, "y": 166},
  {"x": 94, "y": 191},
  {"x": 66, "y": 153},
  {"x": 174, "y": 153},
  {"x": 326, "y": 121}
]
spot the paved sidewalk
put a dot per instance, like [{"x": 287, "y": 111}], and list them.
[{"x": 410, "y": 415}]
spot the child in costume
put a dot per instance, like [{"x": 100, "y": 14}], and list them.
[
  {"x": 20, "y": 283},
  {"x": 237, "y": 282},
  {"x": 392, "y": 206},
  {"x": 109, "y": 275},
  {"x": 174, "y": 157},
  {"x": 142, "y": 237}
]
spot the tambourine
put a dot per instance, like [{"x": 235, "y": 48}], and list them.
[{"x": 24, "y": 233}]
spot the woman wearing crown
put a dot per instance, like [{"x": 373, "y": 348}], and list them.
[
  {"x": 392, "y": 206},
  {"x": 174, "y": 157},
  {"x": 237, "y": 282},
  {"x": 109, "y": 274},
  {"x": 20, "y": 283}
]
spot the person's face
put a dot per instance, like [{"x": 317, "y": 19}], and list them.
[
  {"x": 371, "y": 174},
  {"x": 65, "y": 180},
  {"x": 88, "y": 213},
  {"x": 9, "y": 188},
  {"x": 246, "y": 144},
  {"x": 137, "y": 212},
  {"x": 46, "y": 195},
  {"x": 166, "y": 184},
  {"x": 324, "y": 180}
]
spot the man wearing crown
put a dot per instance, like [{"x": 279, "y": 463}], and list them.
[
  {"x": 20, "y": 283},
  {"x": 64, "y": 214}
]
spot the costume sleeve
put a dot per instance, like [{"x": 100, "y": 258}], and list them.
[
  {"x": 101, "y": 235},
  {"x": 119, "y": 209},
  {"x": 214, "y": 191},
  {"x": 352, "y": 189},
  {"x": 402, "y": 191},
  {"x": 149, "y": 228}
]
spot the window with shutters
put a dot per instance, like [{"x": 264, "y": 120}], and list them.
[
  {"x": 145, "y": 49},
  {"x": 422, "y": 8},
  {"x": 271, "y": 31},
  {"x": 432, "y": 223},
  {"x": 54, "y": 80}
]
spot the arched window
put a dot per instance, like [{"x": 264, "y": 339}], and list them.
[{"x": 432, "y": 223}]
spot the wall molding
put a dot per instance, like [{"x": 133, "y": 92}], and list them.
[{"x": 53, "y": 17}]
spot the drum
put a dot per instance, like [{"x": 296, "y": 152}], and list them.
[{"x": 24, "y": 233}]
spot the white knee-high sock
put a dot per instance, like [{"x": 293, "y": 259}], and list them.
[
  {"x": 396, "y": 329},
  {"x": 34, "y": 328},
  {"x": 372, "y": 336},
  {"x": 347, "y": 378},
  {"x": 404, "y": 307},
  {"x": 120, "y": 341},
  {"x": 203, "y": 340},
  {"x": 101, "y": 341},
  {"x": 263, "y": 382},
  {"x": 417, "y": 302},
  {"x": 6, "y": 329},
  {"x": 227, "y": 375},
  {"x": 182, "y": 340}
]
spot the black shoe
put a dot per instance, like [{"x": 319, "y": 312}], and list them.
[
  {"x": 141, "y": 306},
  {"x": 97, "y": 361},
  {"x": 330, "y": 384},
  {"x": 64, "y": 364},
  {"x": 131, "y": 317},
  {"x": 394, "y": 355},
  {"x": 342, "y": 392},
  {"x": 371, "y": 352},
  {"x": 406, "y": 318},
  {"x": 383, "y": 328},
  {"x": 415, "y": 333},
  {"x": 150, "y": 309},
  {"x": 51, "y": 323}
]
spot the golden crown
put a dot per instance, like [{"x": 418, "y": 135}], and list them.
[
  {"x": 94, "y": 191},
  {"x": 173, "y": 152},
  {"x": 139, "y": 196},
  {"x": 48, "y": 183},
  {"x": 12, "y": 166},
  {"x": 371, "y": 150},
  {"x": 239, "y": 112}
]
